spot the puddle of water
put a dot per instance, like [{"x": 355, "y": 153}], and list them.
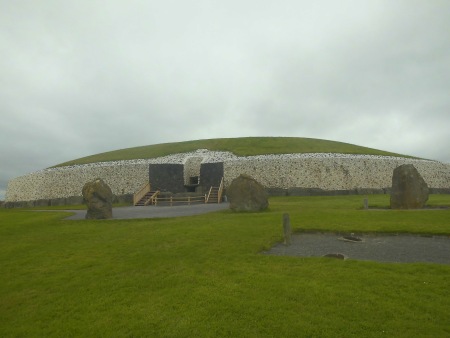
[{"x": 383, "y": 248}]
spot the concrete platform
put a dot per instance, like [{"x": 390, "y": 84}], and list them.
[{"x": 156, "y": 211}]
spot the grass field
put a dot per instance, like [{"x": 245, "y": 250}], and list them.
[
  {"x": 245, "y": 146},
  {"x": 204, "y": 276}
]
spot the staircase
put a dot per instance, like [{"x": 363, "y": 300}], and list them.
[
  {"x": 215, "y": 194},
  {"x": 147, "y": 199}
]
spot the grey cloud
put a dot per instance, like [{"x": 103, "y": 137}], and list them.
[{"x": 78, "y": 78}]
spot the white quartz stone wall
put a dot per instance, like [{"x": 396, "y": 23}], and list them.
[
  {"x": 69, "y": 181},
  {"x": 123, "y": 177},
  {"x": 332, "y": 173},
  {"x": 324, "y": 171}
]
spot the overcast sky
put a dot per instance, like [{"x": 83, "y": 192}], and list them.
[{"x": 82, "y": 77}]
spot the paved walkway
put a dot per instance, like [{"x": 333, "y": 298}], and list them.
[
  {"x": 156, "y": 211},
  {"x": 404, "y": 248}
]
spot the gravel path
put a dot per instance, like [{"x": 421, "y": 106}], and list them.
[
  {"x": 156, "y": 211},
  {"x": 403, "y": 248}
]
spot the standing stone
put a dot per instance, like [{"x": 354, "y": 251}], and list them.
[
  {"x": 366, "y": 203},
  {"x": 98, "y": 197},
  {"x": 409, "y": 190},
  {"x": 246, "y": 194},
  {"x": 287, "y": 229}
]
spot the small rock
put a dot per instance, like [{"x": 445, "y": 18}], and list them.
[
  {"x": 335, "y": 255},
  {"x": 351, "y": 238}
]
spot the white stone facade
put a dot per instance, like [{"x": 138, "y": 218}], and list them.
[
  {"x": 323, "y": 171},
  {"x": 338, "y": 172}
]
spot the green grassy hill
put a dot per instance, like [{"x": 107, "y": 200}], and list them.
[{"x": 245, "y": 146}]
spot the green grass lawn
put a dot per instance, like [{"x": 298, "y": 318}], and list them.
[
  {"x": 204, "y": 276},
  {"x": 244, "y": 146}
]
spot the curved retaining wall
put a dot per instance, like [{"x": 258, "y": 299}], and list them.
[
  {"x": 67, "y": 182},
  {"x": 325, "y": 172},
  {"x": 332, "y": 172}
]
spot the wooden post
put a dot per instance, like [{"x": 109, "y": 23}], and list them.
[
  {"x": 170, "y": 200},
  {"x": 287, "y": 229},
  {"x": 189, "y": 200}
]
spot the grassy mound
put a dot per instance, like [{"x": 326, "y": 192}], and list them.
[{"x": 245, "y": 146}]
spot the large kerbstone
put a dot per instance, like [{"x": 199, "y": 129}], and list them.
[
  {"x": 246, "y": 194},
  {"x": 98, "y": 198},
  {"x": 409, "y": 189}
]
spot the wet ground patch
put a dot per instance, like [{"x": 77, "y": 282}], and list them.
[{"x": 400, "y": 248}]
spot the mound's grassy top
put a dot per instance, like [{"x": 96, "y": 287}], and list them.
[{"x": 246, "y": 146}]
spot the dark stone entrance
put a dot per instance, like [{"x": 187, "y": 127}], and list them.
[
  {"x": 167, "y": 177},
  {"x": 193, "y": 184},
  {"x": 170, "y": 177},
  {"x": 210, "y": 175}
]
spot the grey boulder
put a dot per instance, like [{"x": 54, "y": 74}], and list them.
[
  {"x": 98, "y": 198},
  {"x": 246, "y": 194},
  {"x": 409, "y": 189}
]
